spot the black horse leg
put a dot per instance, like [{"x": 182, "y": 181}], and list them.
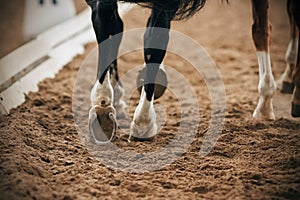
[
  {"x": 102, "y": 116},
  {"x": 107, "y": 23},
  {"x": 287, "y": 85},
  {"x": 108, "y": 27},
  {"x": 156, "y": 40}
]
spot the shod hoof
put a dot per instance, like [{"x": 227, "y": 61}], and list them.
[{"x": 102, "y": 124}]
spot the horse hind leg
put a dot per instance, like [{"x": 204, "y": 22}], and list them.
[
  {"x": 156, "y": 38},
  {"x": 261, "y": 36},
  {"x": 287, "y": 85},
  {"x": 295, "y": 111},
  {"x": 118, "y": 91},
  {"x": 102, "y": 115}
]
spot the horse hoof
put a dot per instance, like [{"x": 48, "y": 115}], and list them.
[
  {"x": 102, "y": 124},
  {"x": 287, "y": 88},
  {"x": 259, "y": 115},
  {"x": 161, "y": 82},
  {"x": 142, "y": 132},
  {"x": 295, "y": 110}
]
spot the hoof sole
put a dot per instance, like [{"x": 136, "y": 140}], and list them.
[
  {"x": 161, "y": 82},
  {"x": 102, "y": 124}
]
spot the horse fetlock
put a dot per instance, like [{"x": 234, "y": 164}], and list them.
[
  {"x": 285, "y": 83},
  {"x": 291, "y": 53},
  {"x": 267, "y": 87},
  {"x": 119, "y": 103},
  {"x": 121, "y": 108},
  {"x": 296, "y": 76},
  {"x": 287, "y": 75},
  {"x": 102, "y": 95}
]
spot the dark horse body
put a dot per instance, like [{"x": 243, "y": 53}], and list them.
[{"x": 107, "y": 93}]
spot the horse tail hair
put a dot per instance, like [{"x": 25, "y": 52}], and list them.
[
  {"x": 187, "y": 8},
  {"x": 179, "y": 9}
]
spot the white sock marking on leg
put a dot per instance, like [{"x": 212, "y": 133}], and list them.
[
  {"x": 266, "y": 87},
  {"x": 102, "y": 94},
  {"x": 144, "y": 118}
]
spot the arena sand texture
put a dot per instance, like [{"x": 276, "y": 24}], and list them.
[{"x": 42, "y": 156}]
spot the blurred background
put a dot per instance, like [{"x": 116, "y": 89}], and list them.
[{"x": 12, "y": 19}]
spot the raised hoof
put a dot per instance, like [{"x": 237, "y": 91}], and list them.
[
  {"x": 287, "y": 88},
  {"x": 161, "y": 82},
  {"x": 295, "y": 110},
  {"x": 102, "y": 124}
]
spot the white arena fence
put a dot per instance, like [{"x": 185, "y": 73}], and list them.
[{"x": 22, "y": 69}]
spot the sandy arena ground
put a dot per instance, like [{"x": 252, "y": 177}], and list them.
[{"x": 42, "y": 156}]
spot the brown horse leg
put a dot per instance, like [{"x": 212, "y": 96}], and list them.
[
  {"x": 295, "y": 4},
  {"x": 286, "y": 82},
  {"x": 261, "y": 36}
]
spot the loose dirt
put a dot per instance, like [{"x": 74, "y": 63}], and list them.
[{"x": 43, "y": 157}]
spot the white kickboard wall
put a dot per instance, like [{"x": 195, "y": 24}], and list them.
[
  {"x": 39, "y": 17},
  {"x": 43, "y": 57}
]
